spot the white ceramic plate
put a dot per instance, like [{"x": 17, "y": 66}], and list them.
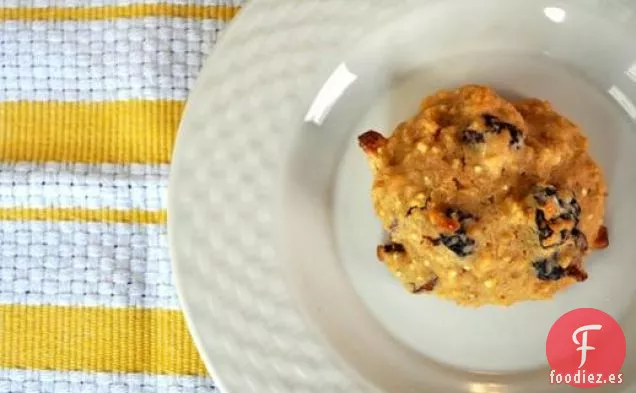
[{"x": 270, "y": 218}]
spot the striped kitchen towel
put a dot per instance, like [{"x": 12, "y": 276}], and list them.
[{"x": 91, "y": 93}]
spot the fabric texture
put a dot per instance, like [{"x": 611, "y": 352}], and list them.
[{"x": 91, "y": 94}]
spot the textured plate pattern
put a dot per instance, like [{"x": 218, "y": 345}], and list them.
[{"x": 223, "y": 192}]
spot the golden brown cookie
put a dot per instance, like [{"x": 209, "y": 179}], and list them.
[{"x": 486, "y": 201}]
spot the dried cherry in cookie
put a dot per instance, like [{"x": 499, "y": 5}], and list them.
[
  {"x": 472, "y": 137},
  {"x": 495, "y": 125},
  {"x": 548, "y": 269},
  {"x": 557, "y": 218},
  {"x": 459, "y": 243},
  {"x": 516, "y": 137}
]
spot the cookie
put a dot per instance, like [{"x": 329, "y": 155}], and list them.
[{"x": 486, "y": 201}]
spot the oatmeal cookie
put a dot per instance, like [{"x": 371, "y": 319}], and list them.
[{"x": 486, "y": 201}]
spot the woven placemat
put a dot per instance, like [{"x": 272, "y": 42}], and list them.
[{"x": 91, "y": 93}]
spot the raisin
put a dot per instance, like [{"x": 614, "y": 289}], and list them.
[
  {"x": 471, "y": 137},
  {"x": 547, "y": 269},
  {"x": 459, "y": 243}
]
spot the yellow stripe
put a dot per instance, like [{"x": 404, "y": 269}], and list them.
[
  {"x": 96, "y": 339},
  {"x": 94, "y": 132},
  {"x": 224, "y": 13},
  {"x": 84, "y": 215}
]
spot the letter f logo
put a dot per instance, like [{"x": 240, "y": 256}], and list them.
[{"x": 583, "y": 344}]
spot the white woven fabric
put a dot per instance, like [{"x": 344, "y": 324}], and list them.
[
  {"x": 100, "y": 3},
  {"x": 88, "y": 186},
  {"x": 87, "y": 263},
  {"x": 31, "y": 381},
  {"x": 147, "y": 58}
]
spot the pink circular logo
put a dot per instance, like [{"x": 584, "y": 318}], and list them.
[{"x": 586, "y": 348}]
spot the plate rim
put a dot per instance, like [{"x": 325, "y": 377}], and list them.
[{"x": 242, "y": 28}]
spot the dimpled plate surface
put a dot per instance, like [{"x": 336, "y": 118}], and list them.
[{"x": 242, "y": 318}]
